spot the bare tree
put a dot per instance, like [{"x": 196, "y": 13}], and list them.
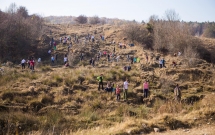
[
  {"x": 12, "y": 8},
  {"x": 82, "y": 19},
  {"x": 22, "y": 11},
  {"x": 171, "y": 15},
  {"x": 18, "y": 32}
]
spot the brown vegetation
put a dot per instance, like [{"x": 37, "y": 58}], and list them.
[{"x": 65, "y": 100}]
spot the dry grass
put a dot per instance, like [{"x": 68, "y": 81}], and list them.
[{"x": 66, "y": 100}]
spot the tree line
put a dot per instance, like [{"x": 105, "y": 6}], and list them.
[
  {"x": 18, "y": 32},
  {"x": 169, "y": 35}
]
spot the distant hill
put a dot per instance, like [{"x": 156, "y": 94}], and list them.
[
  {"x": 71, "y": 20},
  {"x": 60, "y": 19}
]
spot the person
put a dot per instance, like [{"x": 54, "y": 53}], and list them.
[
  {"x": 108, "y": 57},
  {"x": 23, "y": 63},
  {"x": 93, "y": 62},
  {"x": 108, "y": 88},
  {"x": 138, "y": 60},
  {"x": 114, "y": 49},
  {"x": 145, "y": 89},
  {"x": 100, "y": 80},
  {"x": 104, "y": 53},
  {"x": 81, "y": 56},
  {"x": 163, "y": 63},
  {"x": 129, "y": 67},
  {"x": 65, "y": 59},
  {"x": 113, "y": 88},
  {"x": 67, "y": 64},
  {"x": 120, "y": 45},
  {"x": 49, "y": 52},
  {"x": 98, "y": 57},
  {"x": 117, "y": 58},
  {"x": 174, "y": 64},
  {"x": 39, "y": 60},
  {"x": 28, "y": 62},
  {"x": 92, "y": 37},
  {"x": 135, "y": 59},
  {"x": 68, "y": 48},
  {"x": 61, "y": 39},
  {"x": 128, "y": 57},
  {"x": 177, "y": 93},
  {"x": 52, "y": 59},
  {"x": 125, "y": 68},
  {"x": 179, "y": 53},
  {"x": 100, "y": 53},
  {"x": 125, "y": 89},
  {"x": 147, "y": 58},
  {"x": 54, "y": 46},
  {"x": 50, "y": 43},
  {"x": 32, "y": 64},
  {"x": 160, "y": 63},
  {"x": 117, "y": 93},
  {"x": 132, "y": 60},
  {"x": 124, "y": 46}
]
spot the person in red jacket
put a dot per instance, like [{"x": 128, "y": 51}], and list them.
[{"x": 32, "y": 63}]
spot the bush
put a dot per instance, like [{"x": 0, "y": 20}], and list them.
[
  {"x": 210, "y": 30},
  {"x": 36, "y": 105},
  {"x": 94, "y": 20},
  {"x": 48, "y": 100},
  {"x": 135, "y": 32},
  {"x": 82, "y": 19},
  {"x": 8, "y": 95}
]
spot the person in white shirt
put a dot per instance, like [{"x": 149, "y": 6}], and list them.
[
  {"x": 49, "y": 51},
  {"x": 52, "y": 59},
  {"x": 39, "y": 60},
  {"x": 65, "y": 59},
  {"x": 125, "y": 89},
  {"x": 117, "y": 58},
  {"x": 23, "y": 63}
]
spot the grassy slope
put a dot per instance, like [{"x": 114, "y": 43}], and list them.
[{"x": 52, "y": 99}]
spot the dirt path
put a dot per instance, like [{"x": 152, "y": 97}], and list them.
[{"x": 205, "y": 130}]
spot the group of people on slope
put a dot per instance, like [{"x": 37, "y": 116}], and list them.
[
  {"x": 30, "y": 63},
  {"x": 54, "y": 58},
  {"x": 115, "y": 88},
  {"x": 162, "y": 63}
]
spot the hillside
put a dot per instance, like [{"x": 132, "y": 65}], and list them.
[{"x": 55, "y": 99}]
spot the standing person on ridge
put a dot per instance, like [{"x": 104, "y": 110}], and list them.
[
  {"x": 52, "y": 59},
  {"x": 147, "y": 58},
  {"x": 177, "y": 93},
  {"x": 65, "y": 59},
  {"x": 125, "y": 89},
  {"x": 163, "y": 63},
  {"x": 117, "y": 93},
  {"x": 23, "y": 63},
  {"x": 100, "y": 79},
  {"x": 145, "y": 89}
]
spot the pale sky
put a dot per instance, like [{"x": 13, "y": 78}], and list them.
[{"x": 188, "y": 10}]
